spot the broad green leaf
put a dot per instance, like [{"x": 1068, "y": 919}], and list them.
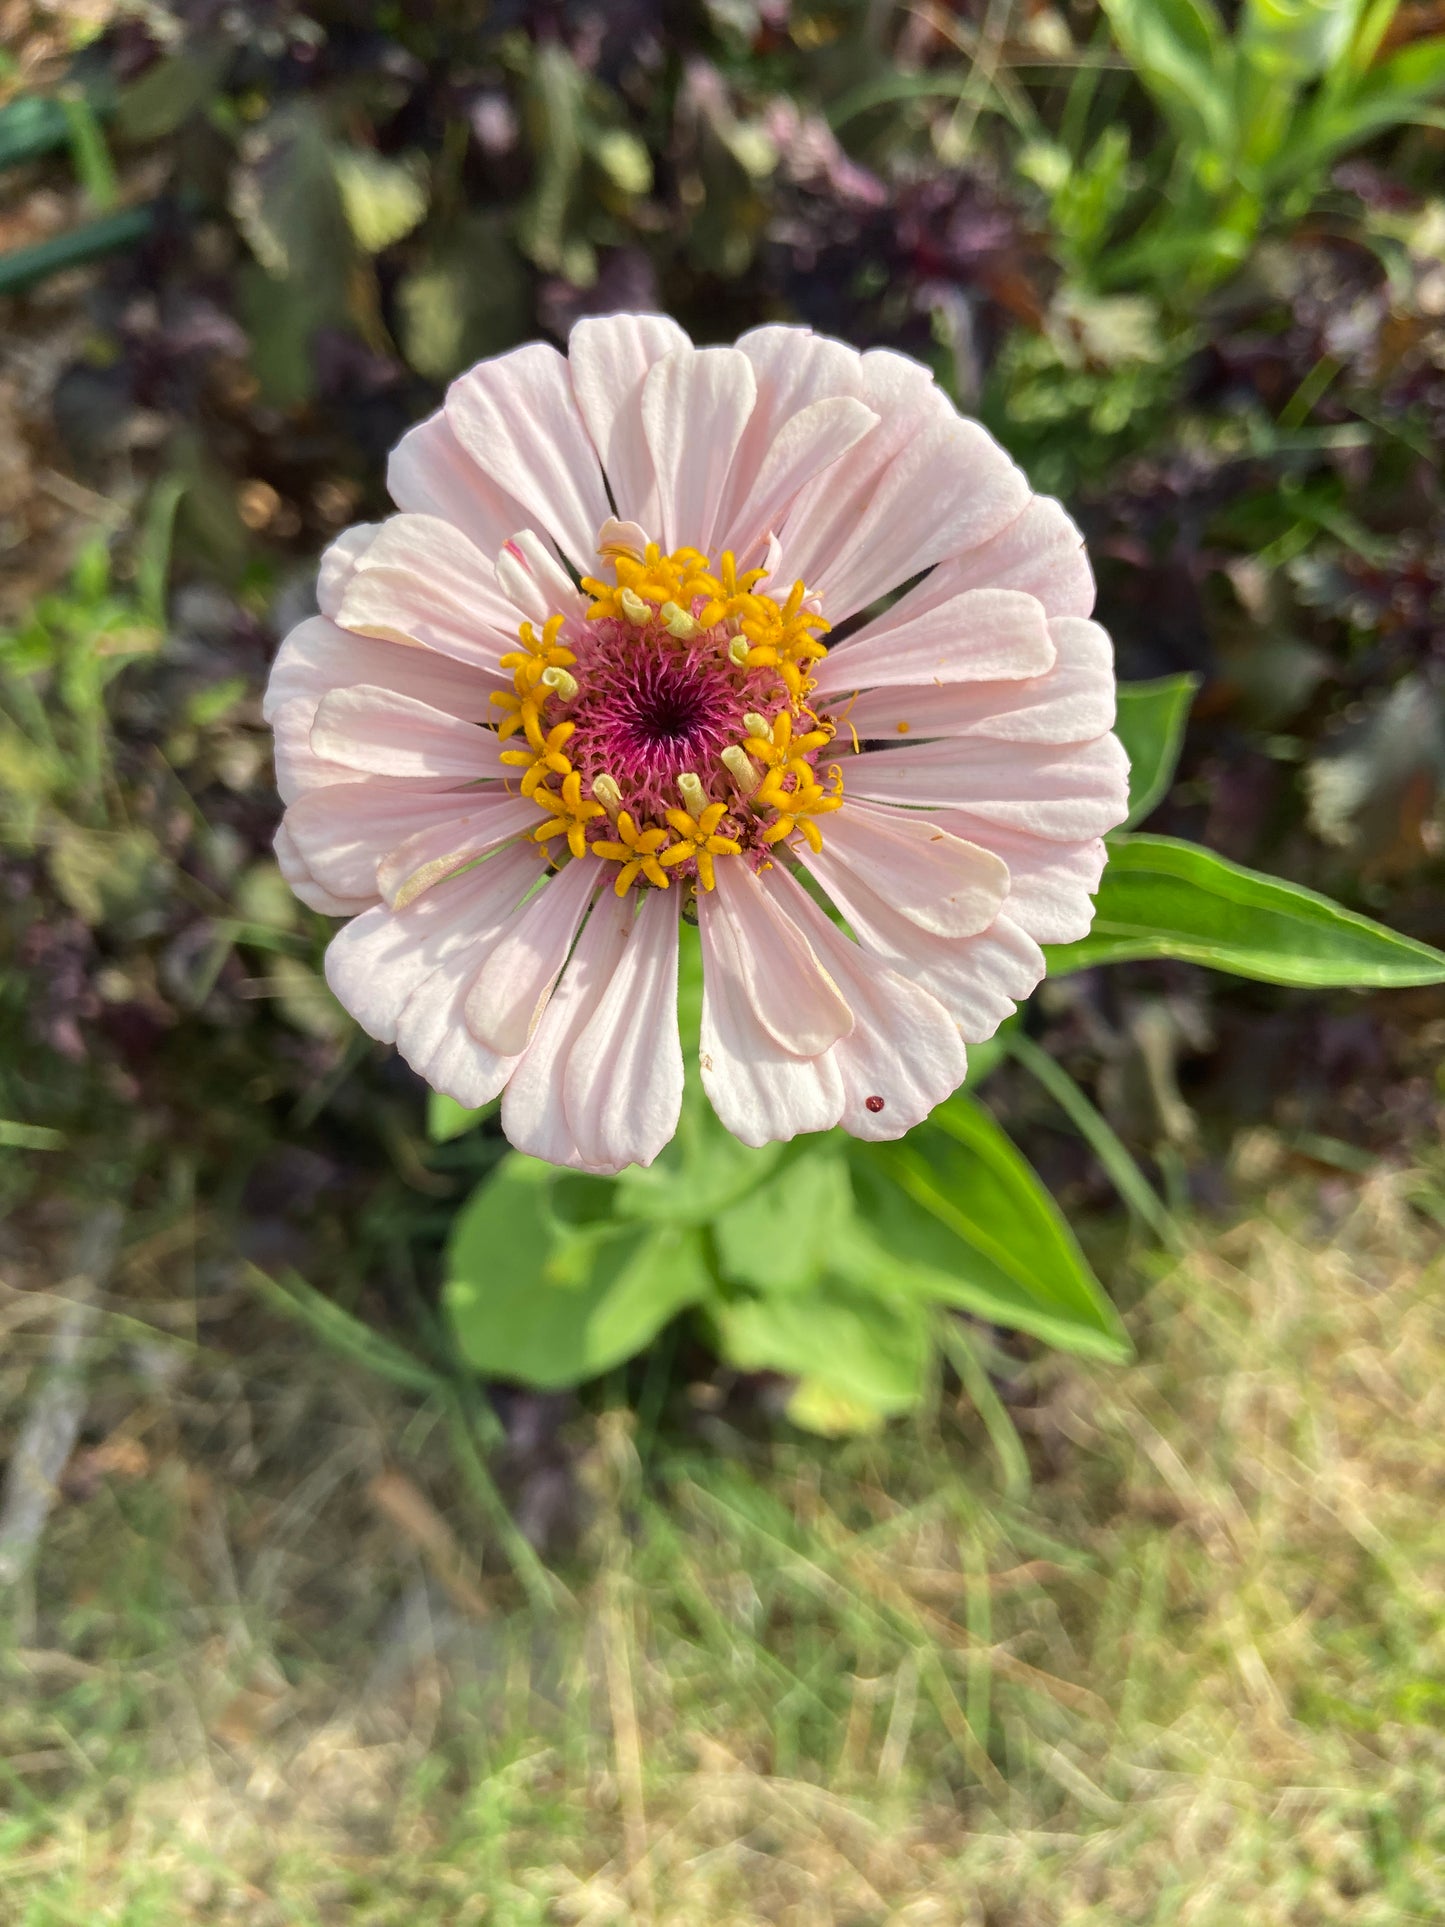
[
  {"x": 780, "y": 1236},
  {"x": 866, "y": 1348},
  {"x": 958, "y": 1209},
  {"x": 1163, "y": 898},
  {"x": 446, "y": 1119},
  {"x": 703, "y": 1170},
  {"x": 1150, "y": 725},
  {"x": 550, "y": 1303},
  {"x": 817, "y": 1406}
]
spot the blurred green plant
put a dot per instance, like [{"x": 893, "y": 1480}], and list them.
[{"x": 1258, "y": 114}]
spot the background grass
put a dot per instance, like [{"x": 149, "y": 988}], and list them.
[{"x": 1181, "y": 1662}]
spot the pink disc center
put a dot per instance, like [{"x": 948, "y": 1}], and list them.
[{"x": 649, "y": 708}]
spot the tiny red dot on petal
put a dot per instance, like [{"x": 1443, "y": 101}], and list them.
[{"x": 874, "y": 1104}]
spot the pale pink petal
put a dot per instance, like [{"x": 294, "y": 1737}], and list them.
[
  {"x": 534, "y": 581},
  {"x": 980, "y": 635},
  {"x": 432, "y": 1035},
  {"x": 1071, "y": 703},
  {"x": 623, "y": 1086},
  {"x": 791, "y": 995},
  {"x": 794, "y": 369},
  {"x": 298, "y": 767},
  {"x": 430, "y": 473},
  {"x": 380, "y": 958},
  {"x": 338, "y": 564},
  {"x": 695, "y": 406},
  {"x": 950, "y": 486},
  {"x": 1000, "y": 970},
  {"x": 384, "y": 734},
  {"x": 938, "y": 881},
  {"x": 317, "y": 657},
  {"x": 420, "y": 581},
  {"x": 517, "y": 418},
  {"x": 809, "y": 442},
  {"x": 314, "y": 895},
  {"x": 904, "y": 1052},
  {"x": 533, "y": 1116},
  {"x": 1070, "y": 793},
  {"x": 904, "y": 396},
  {"x": 828, "y": 510},
  {"x": 609, "y": 357},
  {"x": 438, "y": 850},
  {"x": 1051, "y": 885},
  {"x": 513, "y": 985},
  {"x": 1041, "y": 553},
  {"x": 345, "y": 829},
  {"x": 978, "y": 980},
  {"x": 760, "y": 1091}
]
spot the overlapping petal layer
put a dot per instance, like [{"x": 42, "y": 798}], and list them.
[{"x": 969, "y": 721}]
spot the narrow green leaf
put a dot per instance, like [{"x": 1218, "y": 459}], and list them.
[
  {"x": 1111, "y": 1151},
  {"x": 15, "y": 1136},
  {"x": 345, "y": 1335},
  {"x": 92, "y": 241},
  {"x": 1150, "y": 725},
  {"x": 1163, "y": 898},
  {"x": 960, "y": 1214},
  {"x": 1181, "y": 53}
]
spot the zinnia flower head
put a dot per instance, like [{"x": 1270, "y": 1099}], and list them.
[{"x": 625, "y": 656}]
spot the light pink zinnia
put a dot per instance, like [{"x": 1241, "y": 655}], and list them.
[{"x": 514, "y": 786}]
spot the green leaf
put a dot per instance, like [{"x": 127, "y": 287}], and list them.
[
  {"x": 817, "y": 1406},
  {"x": 780, "y": 1237},
  {"x": 446, "y": 1119},
  {"x": 470, "y": 298},
  {"x": 346, "y": 1335},
  {"x": 958, "y": 1209},
  {"x": 1100, "y": 1136},
  {"x": 623, "y": 159},
  {"x": 168, "y": 93},
  {"x": 1163, "y": 898},
  {"x": 1391, "y": 94},
  {"x": 383, "y": 200},
  {"x": 985, "y": 1058},
  {"x": 859, "y": 1345},
  {"x": 550, "y": 1303},
  {"x": 1150, "y": 725},
  {"x": 1180, "y": 52},
  {"x": 701, "y": 1172}
]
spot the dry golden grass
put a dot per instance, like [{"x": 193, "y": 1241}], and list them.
[{"x": 1195, "y": 1675}]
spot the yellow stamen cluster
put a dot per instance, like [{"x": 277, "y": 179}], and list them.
[
  {"x": 698, "y": 838},
  {"x": 636, "y": 850},
  {"x": 571, "y": 812},
  {"x": 765, "y": 636},
  {"x": 770, "y": 770}
]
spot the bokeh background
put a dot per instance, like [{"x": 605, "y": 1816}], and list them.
[{"x": 1152, "y": 1644}]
